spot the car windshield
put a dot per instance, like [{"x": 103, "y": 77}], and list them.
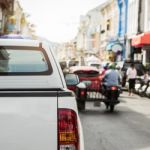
[{"x": 23, "y": 60}]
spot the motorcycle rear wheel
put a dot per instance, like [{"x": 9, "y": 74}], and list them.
[{"x": 112, "y": 107}]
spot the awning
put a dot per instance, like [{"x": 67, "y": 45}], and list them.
[{"x": 141, "y": 40}]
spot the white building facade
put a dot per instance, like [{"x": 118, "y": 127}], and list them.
[
  {"x": 138, "y": 30},
  {"x": 146, "y": 50},
  {"x": 147, "y": 15},
  {"x": 132, "y": 24}
]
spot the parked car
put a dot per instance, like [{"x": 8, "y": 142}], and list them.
[
  {"x": 138, "y": 65},
  {"x": 36, "y": 109}
]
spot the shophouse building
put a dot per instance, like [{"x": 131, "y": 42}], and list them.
[
  {"x": 93, "y": 31},
  {"x": 109, "y": 30},
  {"x": 88, "y": 37},
  {"x": 16, "y": 22},
  {"x": 81, "y": 38},
  {"x": 6, "y": 10},
  {"x": 139, "y": 31},
  {"x": 20, "y": 21},
  {"x": 113, "y": 34},
  {"x": 98, "y": 30},
  {"x": 132, "y": 25},
  {"x": 81, "y": 33}
]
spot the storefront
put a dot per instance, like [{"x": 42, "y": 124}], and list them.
[{"x": 141, "y": 44}]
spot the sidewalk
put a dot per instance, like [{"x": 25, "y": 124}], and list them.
[
  {"x": 125, "y": 94},
  {"x": 136, "y": 103}
]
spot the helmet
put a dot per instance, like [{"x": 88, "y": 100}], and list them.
[{"x": 112, "y": 66}]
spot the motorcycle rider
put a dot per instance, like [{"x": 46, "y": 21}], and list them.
[{"x": 111, "y": 78}]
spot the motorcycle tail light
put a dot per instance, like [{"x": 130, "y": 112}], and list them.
[
  {"x": 113, "y": 88},
  {"x": 82, "y": 93}
]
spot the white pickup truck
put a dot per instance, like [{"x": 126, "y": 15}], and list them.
[{"x": 37, "y": 112}]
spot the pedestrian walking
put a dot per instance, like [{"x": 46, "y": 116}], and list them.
[{"x": 131, "y": 76}]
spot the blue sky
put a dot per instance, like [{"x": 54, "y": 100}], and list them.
[{"x": 57, "y": 20}]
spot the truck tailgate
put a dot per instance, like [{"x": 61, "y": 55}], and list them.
[{"x": 28, "y": 122}]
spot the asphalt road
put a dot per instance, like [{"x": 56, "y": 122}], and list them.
[{"x": 128, "y": 128}]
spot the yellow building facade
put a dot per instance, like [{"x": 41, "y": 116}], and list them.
[
  {"x": 109, "y": 27},
  {"x": 6, "y": 9},
  {"x": 18, "y": 22}
]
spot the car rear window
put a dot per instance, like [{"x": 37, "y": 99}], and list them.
[
  {"x": 87, "y": 73},
  {"x": 24, "y": 61}
]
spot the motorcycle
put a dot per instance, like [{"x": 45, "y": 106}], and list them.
[{"x": 111, "y": 94}]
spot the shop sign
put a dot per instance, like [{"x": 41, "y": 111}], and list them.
[{"x": 116, "y": 48}]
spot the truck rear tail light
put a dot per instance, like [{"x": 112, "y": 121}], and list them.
[{"x": 68, "y": 135}]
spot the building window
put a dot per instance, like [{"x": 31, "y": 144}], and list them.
[
  {"x": 102, "y": 31},
  {"x": 108, "y": 25}
]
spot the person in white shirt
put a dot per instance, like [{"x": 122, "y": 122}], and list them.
[{"x": 131, "y": 75}]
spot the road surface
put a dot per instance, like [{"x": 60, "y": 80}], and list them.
[{"x": 128, "y": 128}]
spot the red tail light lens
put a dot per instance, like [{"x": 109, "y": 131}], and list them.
[
  {"x": 113, "y": 88},
  {"x": 68, "y": 130},
  {"x": 82, "y": 93}
]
